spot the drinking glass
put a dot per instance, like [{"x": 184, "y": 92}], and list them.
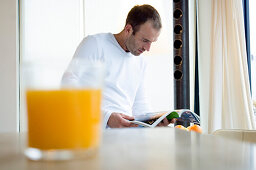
[{"x": 63, "y": 114}]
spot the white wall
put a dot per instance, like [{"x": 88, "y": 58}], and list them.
[{"x": 8, "y": 66}]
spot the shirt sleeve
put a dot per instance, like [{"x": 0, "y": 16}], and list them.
[
  {"x": 87, "y": 51},
  {"x": 106, "y": 115},
  {"x": 141, "y": 103}
]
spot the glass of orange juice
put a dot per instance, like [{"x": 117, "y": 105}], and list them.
[{"x": 63, "y": 110}]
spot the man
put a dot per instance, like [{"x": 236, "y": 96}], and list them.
[{"x": 124, "y": 93}]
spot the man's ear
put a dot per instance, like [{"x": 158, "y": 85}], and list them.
[{"x": 128, "y": 29}]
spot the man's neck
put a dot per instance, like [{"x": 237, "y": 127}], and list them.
[{"x": 121, "y": 39}]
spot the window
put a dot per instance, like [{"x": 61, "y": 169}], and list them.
[{"x": 51, "y": 30}]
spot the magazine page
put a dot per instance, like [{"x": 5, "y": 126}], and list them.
[
  {"x": 164, "y": 115},
  {"x": 150, "y": 119},
  {"x": 153, "y": 119}
]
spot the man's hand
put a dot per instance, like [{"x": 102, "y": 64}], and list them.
[
  {"x": 120, "y": 120},
  {"x": 164, "y": 122}
]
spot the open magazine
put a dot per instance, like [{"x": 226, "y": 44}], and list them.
[{"x": 153, "y": 119}]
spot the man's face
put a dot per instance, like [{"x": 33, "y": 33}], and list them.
[{"x": 142, "y": 39}]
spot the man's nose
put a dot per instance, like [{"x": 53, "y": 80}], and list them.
[{"x": 147, "y": 46}]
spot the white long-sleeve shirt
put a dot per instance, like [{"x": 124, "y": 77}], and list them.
[{"x": 124, "y": 86}]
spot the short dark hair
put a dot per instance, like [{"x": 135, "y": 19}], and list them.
[{"x": 140, "y": 14}]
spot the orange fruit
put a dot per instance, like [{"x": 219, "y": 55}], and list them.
[
  {"x": 195, "y": 128},
  {"x": 181, "y": 127}
]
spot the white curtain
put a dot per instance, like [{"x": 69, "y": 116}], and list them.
[{"x": 225, "y": 99}]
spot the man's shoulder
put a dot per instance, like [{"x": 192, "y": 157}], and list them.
[
  {"x": 100, "y": 39},
  {"x": 100, "y": 36}
]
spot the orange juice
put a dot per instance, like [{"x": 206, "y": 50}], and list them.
[{"x": 63, "y": 119}]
